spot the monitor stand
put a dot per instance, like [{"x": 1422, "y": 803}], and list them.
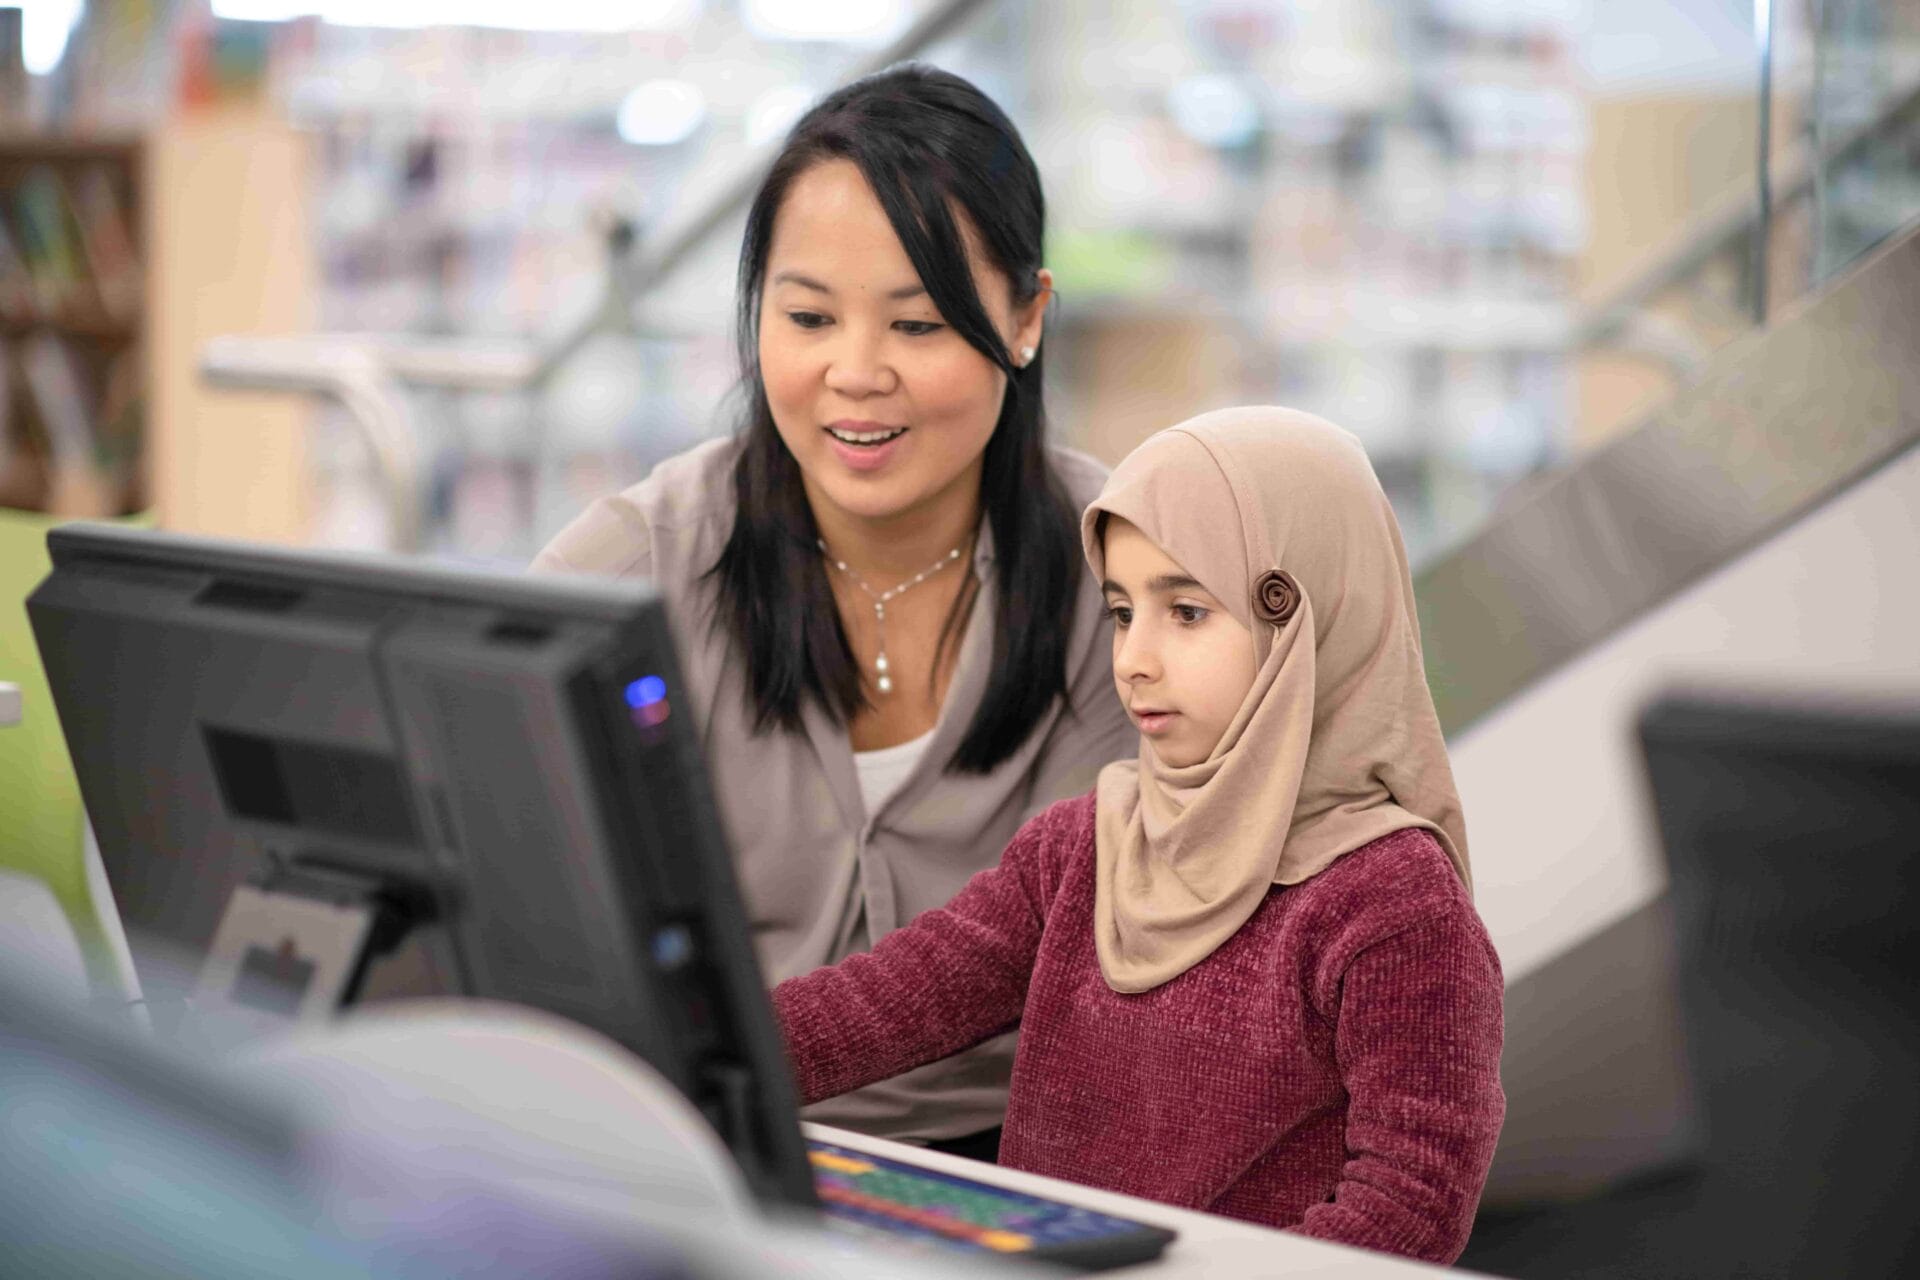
[{"x": 293, "y": 947}]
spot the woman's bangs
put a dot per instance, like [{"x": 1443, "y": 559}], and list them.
[{"x": 920, "y": 208}]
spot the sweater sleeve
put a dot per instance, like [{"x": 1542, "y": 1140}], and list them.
[
  {"x": 1417, "y": 1037},
  {"x": 947, "y": 980}
]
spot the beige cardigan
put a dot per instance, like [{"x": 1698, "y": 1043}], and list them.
[{"x": 822, "y": 877}]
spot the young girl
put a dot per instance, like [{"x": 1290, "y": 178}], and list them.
[{"x": 1246, "y": 970}]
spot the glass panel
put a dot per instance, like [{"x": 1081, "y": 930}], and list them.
[{"x": 1862, "y": 109}]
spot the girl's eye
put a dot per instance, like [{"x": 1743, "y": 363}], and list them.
[
  {"x": 1190, "y": 614},
  {"x": 1122, "y": 615},
  {"x": 808, "y": 319},
  {"x": 917, "y": 328}
]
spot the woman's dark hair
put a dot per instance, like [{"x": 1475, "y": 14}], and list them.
[{"x": 928, "y": 144}]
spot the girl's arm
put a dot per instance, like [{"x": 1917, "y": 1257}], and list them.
[
  {"x": 947, "y": 980},
  {"x": 1417, "y": 1038}
]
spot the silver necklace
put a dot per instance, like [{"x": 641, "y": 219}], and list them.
[{"x": 881, "y": 679}]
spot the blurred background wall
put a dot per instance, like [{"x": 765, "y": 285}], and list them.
[{"x": 1403, "y": 214}]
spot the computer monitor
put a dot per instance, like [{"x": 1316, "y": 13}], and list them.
[
  {"x": 332, "y": 749},
  {"x": 1792, "y": 836}
]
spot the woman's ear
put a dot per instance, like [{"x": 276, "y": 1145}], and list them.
[{"x": 1030, "y": 319}]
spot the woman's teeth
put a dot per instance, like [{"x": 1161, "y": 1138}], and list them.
[{"x": 865, "y": 437}]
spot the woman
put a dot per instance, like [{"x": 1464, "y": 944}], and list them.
[{"x": 895, "y": 656}]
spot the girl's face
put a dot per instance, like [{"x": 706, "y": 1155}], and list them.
[
  {"x": 886, "y": 409},
  {"x": 1181, "y": 662}
]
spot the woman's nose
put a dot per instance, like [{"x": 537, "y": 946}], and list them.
[{"x": 857, "y": 369}]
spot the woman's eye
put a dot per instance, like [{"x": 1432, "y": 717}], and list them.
[
  {"x": 1121, "y": 614},
  {"x": 1189, "y": 614},
  {"x": 917, "y": 328},
  {"x": 808, "y": 319}
]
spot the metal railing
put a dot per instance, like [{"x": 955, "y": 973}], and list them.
[{"x": 1727, "y": 223}]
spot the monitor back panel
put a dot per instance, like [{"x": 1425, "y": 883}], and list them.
[
  {"x": 506, "y": 750},
  {"x": 184, "y": 703}
]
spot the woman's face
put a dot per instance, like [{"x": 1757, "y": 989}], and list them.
[
  {"x": 1181, "y": 662},
  {"x": 886, "y": 409}
]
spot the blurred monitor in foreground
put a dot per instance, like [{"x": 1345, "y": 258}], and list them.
[
  {"x": 1792, "y": 837},
  {"x": 293, "y": 759}
]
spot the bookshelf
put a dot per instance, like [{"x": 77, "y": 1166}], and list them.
[
  {"x": 73, "y": 405},
  {"x": 120, "y": 257}
]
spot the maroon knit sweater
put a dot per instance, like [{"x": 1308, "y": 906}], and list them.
[{"x": 1332, "y": 1069}]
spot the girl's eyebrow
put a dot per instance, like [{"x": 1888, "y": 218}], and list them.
[{"x": 1165, "y": 583}]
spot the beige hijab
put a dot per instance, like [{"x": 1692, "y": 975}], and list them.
[{"x": 1336, "y": 744}]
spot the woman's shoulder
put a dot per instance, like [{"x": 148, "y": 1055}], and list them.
[
  {"x": 1081, "y": 475},
  {"x": 671, "y": 524}
]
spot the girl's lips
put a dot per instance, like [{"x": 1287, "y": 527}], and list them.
[
  {"x": 1152, "y": 722},
  {"x": 865, "y": 457}
]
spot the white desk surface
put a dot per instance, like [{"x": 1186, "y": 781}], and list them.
[{"x": 1208, "y": 1246}]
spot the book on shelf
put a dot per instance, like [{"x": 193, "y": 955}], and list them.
[
  {"x": 17, "y": 302},
  {"x": 106, "y": 242},
  {"x": 87, "y": 466},
  {"x": 74, "y": 248},
  {"x": 7, "y": 447},
  {"x": 48, "y": 241}
]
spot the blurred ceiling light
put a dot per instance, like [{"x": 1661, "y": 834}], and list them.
[
  {"x": 1214, "y": 110},
  {"x": 776, "y": 111},
  {"x": 514, "y": 15},
  {"x": 660, "y": 113},
  {"x": 45, "y": 25},
  {"x": 852, "y": 20}
]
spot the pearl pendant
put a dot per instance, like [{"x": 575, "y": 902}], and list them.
[{"x": 883, "y": 680}]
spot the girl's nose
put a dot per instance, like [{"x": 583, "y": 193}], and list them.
[{"x": 1136, "y": 662}]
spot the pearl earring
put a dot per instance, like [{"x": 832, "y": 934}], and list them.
[{"x": 1026, "y": 356}]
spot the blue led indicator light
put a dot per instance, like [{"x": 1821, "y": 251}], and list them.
[
  {"x": 646, "y": 691},
  {"x": 672, "y": 947}
]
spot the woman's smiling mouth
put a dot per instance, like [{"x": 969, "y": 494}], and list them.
[
  {"x": 864, "y": 434},
  {"x": 865, "y": 446}
]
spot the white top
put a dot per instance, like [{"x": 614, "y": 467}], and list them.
[{"x": 881, "y": 772}]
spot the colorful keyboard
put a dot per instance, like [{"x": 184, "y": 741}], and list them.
[{"x": 871, "y": 1194}]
